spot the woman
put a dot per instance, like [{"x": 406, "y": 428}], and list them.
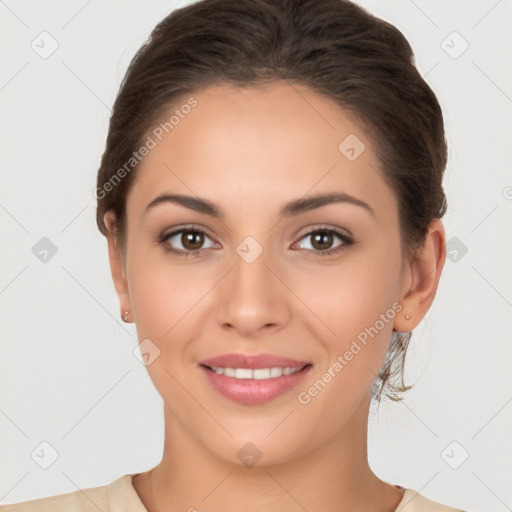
[{"x": 271, "y": 193}]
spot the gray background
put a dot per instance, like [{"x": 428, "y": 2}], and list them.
[{"x": 68, "y": 374}]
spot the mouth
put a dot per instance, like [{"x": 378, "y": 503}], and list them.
[
  {"x": 254, "y": 380},
  {"x": 257, "y": 373}
]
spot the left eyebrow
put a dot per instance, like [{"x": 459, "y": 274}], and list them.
[
  {"x": 310, "y": 203},
  {"x": 295, "y": 207}
]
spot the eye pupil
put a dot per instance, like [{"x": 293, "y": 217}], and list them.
[
  {"x": 322, "y": 240},
  {"x": 192, "y": 240}
]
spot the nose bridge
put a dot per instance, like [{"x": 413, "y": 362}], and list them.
[
  {"x": 250, "y": 266},
  {"x": 251, "y": 298}
]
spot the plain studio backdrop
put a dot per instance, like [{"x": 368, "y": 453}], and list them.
[{"x": 71, "y": 387}]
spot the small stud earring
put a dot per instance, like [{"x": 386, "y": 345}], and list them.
[
  {"x": 407, "y": 316},
  {"x": 125, "y": 316}
]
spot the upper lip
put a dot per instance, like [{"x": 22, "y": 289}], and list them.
[{"x": 253, "y": 362}]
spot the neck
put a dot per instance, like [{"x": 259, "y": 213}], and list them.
[{"x": 334, "y": 476}]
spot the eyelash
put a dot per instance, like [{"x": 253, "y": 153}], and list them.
[{"x": 347, "y": 241}]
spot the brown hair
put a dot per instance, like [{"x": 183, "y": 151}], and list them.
[{"x": 336, "y": 48}]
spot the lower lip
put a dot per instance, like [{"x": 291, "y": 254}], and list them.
[{"x": 254, "y": 391}]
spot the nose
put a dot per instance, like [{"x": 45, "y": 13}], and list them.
[{"x": 253, "y": 301}]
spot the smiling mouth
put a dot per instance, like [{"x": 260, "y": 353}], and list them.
[
  {"x": 257, "y": 373},
  {"x": 255, "y": 386},
  {"x": 254, "y": 379}
]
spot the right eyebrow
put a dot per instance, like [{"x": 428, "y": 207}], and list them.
[{"x": 193, "y": 203}]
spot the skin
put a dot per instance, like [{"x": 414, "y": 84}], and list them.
[{"x": 249, "y": 151}]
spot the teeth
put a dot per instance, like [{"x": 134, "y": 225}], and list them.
[
  {"x": 258, "y": 374},
  {"x": 261, "y": 373},
  {"x": 276, "y": 372},
  {"x": 243, "y": 373}
]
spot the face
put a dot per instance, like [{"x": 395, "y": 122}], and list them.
[{"x": 254, "y": 266}]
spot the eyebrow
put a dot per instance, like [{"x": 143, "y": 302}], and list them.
[{"x": 291, "y": 208}]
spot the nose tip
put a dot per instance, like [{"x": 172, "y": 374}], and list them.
[{"x": 249, "y": 301}]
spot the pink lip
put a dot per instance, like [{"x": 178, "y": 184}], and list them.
[
  {"x": 254, "y": 391},
  {"x": 253, "y": 362}
]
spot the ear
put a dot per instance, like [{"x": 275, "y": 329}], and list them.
[
  {"x": 425, "y": 272},
  {"x": 117, "y": 264}
]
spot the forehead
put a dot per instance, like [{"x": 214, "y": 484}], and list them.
[{"x": 251, "y": 144}]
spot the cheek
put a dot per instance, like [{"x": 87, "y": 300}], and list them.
[
  {"x": 164, "y": 299},
  {"x": 163, "y": 289},
  {"x": 353, "y": 295},
  {"x": 356, "y": 309},
  {"x": 353, "y": 316}
]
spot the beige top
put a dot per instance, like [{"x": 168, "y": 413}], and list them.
[{"x": 121, "y": 496}]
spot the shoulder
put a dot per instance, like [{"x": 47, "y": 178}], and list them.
[
  {"x": 413, "y": 501},
  {"x": 83, "y": 500},
  {"x": 108, "y": 498}
]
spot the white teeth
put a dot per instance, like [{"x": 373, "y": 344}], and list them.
[
  {"x": 243, "y": 373},
  {"x": 258, "y": 374},
  {"x": 276, "y": 372},
  {"x": 261, "y": 373}
]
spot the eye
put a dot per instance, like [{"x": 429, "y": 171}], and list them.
[
  {"x": 323, "y": 238},
  {"x": 191, "y": 240}
]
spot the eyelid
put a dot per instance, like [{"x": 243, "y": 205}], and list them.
[
  {"x": 186, "y": 227},
  {"x": 167, "y": 235},
  {"x": 325, "y": 227},
  {"x": 344, "y": 235}
]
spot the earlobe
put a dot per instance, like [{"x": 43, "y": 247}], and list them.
[
  {"x": 117, "y": 267},
  {"x": 425, "y": 272}
]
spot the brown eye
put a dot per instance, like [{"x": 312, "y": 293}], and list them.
[
  {"x": 192, "y": 240},
  {"x": 322, "y": 240},
  {"x": 186, "y": 241}
]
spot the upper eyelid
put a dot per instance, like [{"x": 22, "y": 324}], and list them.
[
  {"x": 339, "y": 232},
  {"x": 174, "y": 232}
]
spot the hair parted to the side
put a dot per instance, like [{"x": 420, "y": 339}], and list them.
[{"x": 336, "y": 48}]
